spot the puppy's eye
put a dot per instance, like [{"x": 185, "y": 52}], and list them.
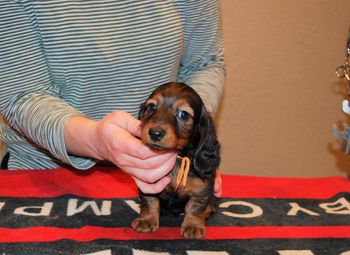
[
  {"x": 151, "y": 107},
  {"x": 182, "y": 115}
]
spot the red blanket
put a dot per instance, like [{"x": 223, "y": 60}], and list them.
[{"x": 66, "y": 212}]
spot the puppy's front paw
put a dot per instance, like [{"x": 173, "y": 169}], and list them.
[
  {"x": 193, "y": 232},
  {"x": 145, "y": 225}
]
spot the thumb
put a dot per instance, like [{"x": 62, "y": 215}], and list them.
[
  {"x": 133, "y": 126},
  {"x": 127, "y": 122}
]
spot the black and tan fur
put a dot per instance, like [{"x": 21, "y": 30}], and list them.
[{"x": 174, "y": 118}]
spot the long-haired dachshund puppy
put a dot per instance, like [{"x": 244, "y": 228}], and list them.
[{"x": 174, "y": 118}]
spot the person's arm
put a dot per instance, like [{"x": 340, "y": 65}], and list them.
[
  {"x": 29, "y": 98},
  {"x": 202, "y": 66},
  {"x": 31, "y": 104},
  {"x": 113, "y": 139}
]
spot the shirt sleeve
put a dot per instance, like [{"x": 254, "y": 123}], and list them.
[
  {"x": 202, "y": 66},
  {"x": 29, "y": 99}
]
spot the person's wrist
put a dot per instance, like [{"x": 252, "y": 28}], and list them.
[{"x": 81, "y": 137}]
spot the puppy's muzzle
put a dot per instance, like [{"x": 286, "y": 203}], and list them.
[{"x": 156, "y": 134}]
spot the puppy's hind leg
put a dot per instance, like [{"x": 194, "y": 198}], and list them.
[{"x": 148, "y": 220}]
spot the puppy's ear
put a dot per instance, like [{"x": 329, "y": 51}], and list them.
[
  {"x": 142, "y": 111},
  {"x": 207, "y": 150}
]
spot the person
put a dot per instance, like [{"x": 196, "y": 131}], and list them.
[{"x": 73, "y": 74}]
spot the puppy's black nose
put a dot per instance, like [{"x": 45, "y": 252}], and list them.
[{"x": 156, "y": 134}]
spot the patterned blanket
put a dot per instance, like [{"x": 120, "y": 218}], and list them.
[{"x": 89, "y": 213}]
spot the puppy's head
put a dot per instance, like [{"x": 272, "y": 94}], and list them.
[
  {"x": 168, "y": 116},
  {"x": 174, "y": 118}
]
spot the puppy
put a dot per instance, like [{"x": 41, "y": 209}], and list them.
[{"x": 174, "y": 118}]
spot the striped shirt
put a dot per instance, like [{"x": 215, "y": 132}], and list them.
[{"x": 62, "y": 58}]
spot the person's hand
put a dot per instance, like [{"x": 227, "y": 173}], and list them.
[
  {"x": 117, "y": 144},
  {"x": 217, "y": 184},
  {"x": 113, "y": 139}
]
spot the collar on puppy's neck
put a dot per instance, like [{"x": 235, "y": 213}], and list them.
[{"x": 182, "y": 174}]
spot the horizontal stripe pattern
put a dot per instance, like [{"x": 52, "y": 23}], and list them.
[{"x": 62, "y": 59}]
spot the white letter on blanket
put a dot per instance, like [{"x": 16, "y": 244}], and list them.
[
  {"x": 295, "y": 252},
  {"x": 2, "y": 205},
  {"x": 256, "y": 210},
  {"x": 43, "y": 210},
  {"x": 341, "y": 206},
  {"x": 133, "y": 205},
  {"x": 73, "y": 207},
  {"x": 106, "y": 252},
  {"x": 142, "y": 252},
  {"x": 207, "y": 253},
  {"x": 296, "y": 208}
]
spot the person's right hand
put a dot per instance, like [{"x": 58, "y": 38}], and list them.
[{"x": 113, "y": 139}]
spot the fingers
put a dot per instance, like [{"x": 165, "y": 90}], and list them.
[
  {"x": 121, "y": 128},
  {"x": 152, "y": 175},
  {"x": 129, "y": 151},
  {"x": 152, "y": 188},
  {"x": 133, "y": 146},
  {"x": 126, "y": 160},
  {"x": 217, "y": 184},
  {"x": 125, "y": 121}
]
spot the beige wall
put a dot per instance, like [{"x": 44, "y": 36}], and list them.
[{"x": 282, "y": 95}]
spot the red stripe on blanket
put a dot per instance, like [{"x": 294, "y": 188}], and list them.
[
  {"x": 112, "y": 183},
  {"x": 90, "y": 233}
]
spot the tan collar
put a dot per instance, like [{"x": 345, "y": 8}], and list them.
[{"x": 183, "y": 172}]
